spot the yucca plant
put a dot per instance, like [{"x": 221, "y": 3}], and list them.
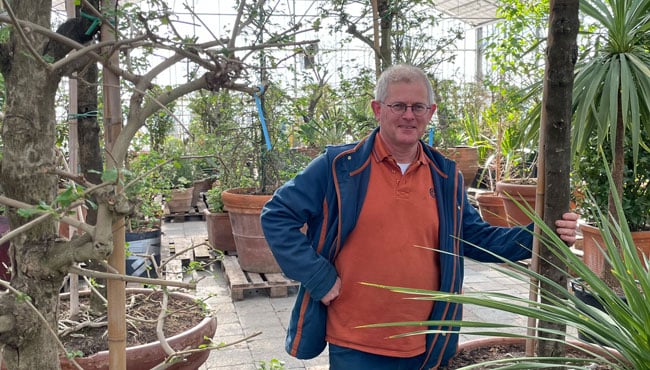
[
  {"x": 620, "y": 329},
  {"x": 611, "y": 90}
]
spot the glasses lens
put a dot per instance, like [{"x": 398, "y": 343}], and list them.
[
  {"x": 398, "y": 108},
  {"x": 418, "y": 109}
]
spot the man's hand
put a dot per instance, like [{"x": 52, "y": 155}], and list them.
[
  {"x": 567, "y": 227},
  {"x": 333, "y": 293}
]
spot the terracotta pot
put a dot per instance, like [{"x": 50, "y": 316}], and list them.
[
  {"x": 490, "y": 205},
  {"x": 466, "y": 158},
  {"x": 199, "y": 187},
  {"x": 525, "y": 194},
  {"x": 592, "y": 242},
  {"x": 65, "y": 229},
  {"x": 146, "y": 356},
  {"x": 244, "y": 208},
  {"x": 180, "y": 200},
  {"x": 220, "y": 231}
]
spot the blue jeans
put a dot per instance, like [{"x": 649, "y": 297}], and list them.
[{"x": 342, "y": 358}]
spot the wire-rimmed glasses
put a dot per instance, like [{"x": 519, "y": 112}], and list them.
[{"x": 418, "y": 109}]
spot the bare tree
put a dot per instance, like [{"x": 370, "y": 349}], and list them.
[
  {"x": 397, "y": 31},
  {"x": 33, "y": 60}
]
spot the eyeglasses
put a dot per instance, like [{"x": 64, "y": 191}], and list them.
[{"x": 418, "y": 109}]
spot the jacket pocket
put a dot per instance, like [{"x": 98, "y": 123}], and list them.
[{"x": 306, "y": 333}]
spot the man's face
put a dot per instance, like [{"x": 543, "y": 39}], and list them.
[{"x": 403, "y": 130}]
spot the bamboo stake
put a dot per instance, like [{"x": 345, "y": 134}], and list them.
[{"x": 115, "y": 291}]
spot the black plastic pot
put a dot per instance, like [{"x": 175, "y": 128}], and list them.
[
  {"x": 143, "y": 246},
  {"x": 589, "y": 298}
]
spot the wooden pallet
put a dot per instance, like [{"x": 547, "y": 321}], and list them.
[
  {"x": 180, "y": 247},
  {"x": 241, "y": 281},
  {"x": 184, "y": 216}
]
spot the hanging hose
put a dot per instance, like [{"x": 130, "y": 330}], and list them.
[{"x": 260, "y": 111}]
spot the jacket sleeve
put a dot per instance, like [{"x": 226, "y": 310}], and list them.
[
  {"x": 298, "y": 202},
  {"x": 479, "y": 237}
]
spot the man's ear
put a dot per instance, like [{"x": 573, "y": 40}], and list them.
[{"x": 376, "y": 108}]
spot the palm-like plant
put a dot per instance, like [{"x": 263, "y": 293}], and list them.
[{"x": 612, "y": 89}]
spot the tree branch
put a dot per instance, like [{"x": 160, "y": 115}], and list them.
[{"x": 131, "y": 279}]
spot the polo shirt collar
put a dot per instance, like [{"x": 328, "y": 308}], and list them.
[{"x": 380, "y": 152}]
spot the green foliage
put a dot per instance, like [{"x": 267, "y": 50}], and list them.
[
  {"x": 612, "y": 73},
  {"x": 213, "y": 199},
  {"x": 516, "y": 55},
  {"x": 274, "y": 364},
  {"x": 201, "y": 303},
  {"x": 323, "y": 114},
  {"x": 515, "y": 49},
  {"x": 160, "y": 124},
  {"x": 223, "y": 126},
  {"x": 589, "y": 177},
  {"x": 74, "y": 354},
  {"x": 616, "y": 78},
  {"x": 334, "y": 116},
  {"x": 461, "y": 108},
  {"x": 146, "y": 187},
  {"x": 227, "y": 126}
]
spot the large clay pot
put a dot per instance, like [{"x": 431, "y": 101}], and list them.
[
  {"x": 180, "y": 200},
  {"x": 592, "y": 243},
  {"x": 492, "y": 210},
  {"x": 220, "y": 231},
  {"x": 199, "y": 187},
  {"x": 146, "y": 356},
  {"x": 513, "y": 192},
  {"x": 466, "y": 158},
  {"x": 244, "y": 208}
]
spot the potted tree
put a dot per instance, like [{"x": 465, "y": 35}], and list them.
[
  {"x": 147, "y": 349},
  {"x": 610, "y": 96},
  {"x": 517, "y": 185},
  {"x": 252, "y": 166}
]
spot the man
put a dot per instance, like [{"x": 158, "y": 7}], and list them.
[{"x": 387, "y": 210}]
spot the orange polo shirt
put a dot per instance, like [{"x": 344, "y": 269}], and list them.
[{"x": 398, "y": 215}]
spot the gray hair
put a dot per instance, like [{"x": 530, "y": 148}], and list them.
[{"x": 402, "y": 73}]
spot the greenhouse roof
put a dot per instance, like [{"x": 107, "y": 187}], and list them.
[{"x": 473, "y": 12}]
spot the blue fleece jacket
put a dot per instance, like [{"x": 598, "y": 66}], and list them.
[{"x": 328, "y": 196}]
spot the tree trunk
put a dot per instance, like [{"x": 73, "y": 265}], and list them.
[
  {"x": 385, "y": 26},
  {"x": 555, "y": 144},
  {"x": 29, "y": 140}
]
